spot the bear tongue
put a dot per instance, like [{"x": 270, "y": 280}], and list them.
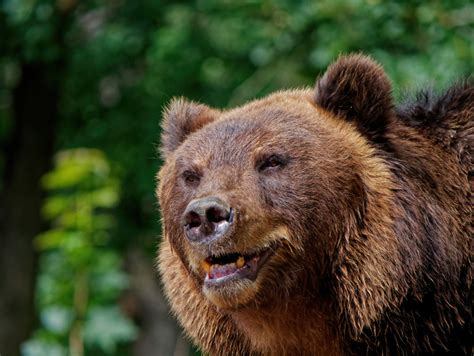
[{"x": 218, "y": 271}]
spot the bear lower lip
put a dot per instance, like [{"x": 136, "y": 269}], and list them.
[{"x": 233, "y": 267}]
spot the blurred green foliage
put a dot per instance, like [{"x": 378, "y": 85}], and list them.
[
  {"x": 81, "y": 277},
  {"x": 119, "y": 62}
]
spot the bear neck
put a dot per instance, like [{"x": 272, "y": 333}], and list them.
[{"x": 296, "y": 326}]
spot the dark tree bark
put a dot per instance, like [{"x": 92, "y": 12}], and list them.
[{"x": 28, "y": 156}]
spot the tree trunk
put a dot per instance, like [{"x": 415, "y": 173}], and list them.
[{"x": 28, "y": 156}]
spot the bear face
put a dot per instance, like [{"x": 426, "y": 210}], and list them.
[
  {"x": 260, "y": 162},
  {"x": 285, "y": 225}
]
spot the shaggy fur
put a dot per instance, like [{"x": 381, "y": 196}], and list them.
[{"x": 368, "y": 214}]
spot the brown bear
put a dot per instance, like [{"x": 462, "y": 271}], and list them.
[{"x": 321, "y": 222}]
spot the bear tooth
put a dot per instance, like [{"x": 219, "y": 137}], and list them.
[
  {"x": 206, "y": 266},
  {"x": 240, "y": 262}
]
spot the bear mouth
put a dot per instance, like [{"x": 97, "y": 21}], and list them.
[{"x": 231, "y": 267}]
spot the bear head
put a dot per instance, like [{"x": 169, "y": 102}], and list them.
[{"x": 261, "y": 203}]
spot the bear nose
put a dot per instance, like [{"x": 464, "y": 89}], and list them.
[{"x": 206, "y": 219}]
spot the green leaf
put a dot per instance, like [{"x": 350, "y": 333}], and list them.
[
  {"x": 105, "y": 327},
  {"x": 38, "y": 347},
  {"x": 57, "y": 319},
  {"x": 53, "y": 238}
]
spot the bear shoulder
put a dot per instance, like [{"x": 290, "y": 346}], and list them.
[{"x": 447, "y": 118}]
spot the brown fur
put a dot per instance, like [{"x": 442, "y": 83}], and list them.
[{"x": 369, "y": 217}]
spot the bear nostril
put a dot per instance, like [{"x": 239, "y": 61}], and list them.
[
  {"x": 216, "y": 215},
  {"x": 193, "y": 219}
]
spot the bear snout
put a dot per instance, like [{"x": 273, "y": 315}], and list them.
[{"x": 207, "y": 219}]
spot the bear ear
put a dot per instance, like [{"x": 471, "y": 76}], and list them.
[
  {"x": 181, "y": 118},
  {"x": 356, "y": 88}
]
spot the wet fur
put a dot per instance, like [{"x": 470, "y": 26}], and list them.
[{"x": 393, "y": 275}]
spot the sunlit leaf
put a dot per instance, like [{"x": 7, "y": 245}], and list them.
[
  {"x": 106, "y": 327},
  {"x": 79, "y": 166},
  {"x": 50, "y": 239},
  {"x": 56, "y": 205},
  {"x": 38, "y": 347},
  {"x": 56, "y": 319},
  {"x": 106, "y": 197}
]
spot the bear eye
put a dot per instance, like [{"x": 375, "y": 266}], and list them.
[
  {"x": 191, "y": 178},
  {"x": 272, "y": 162}
]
